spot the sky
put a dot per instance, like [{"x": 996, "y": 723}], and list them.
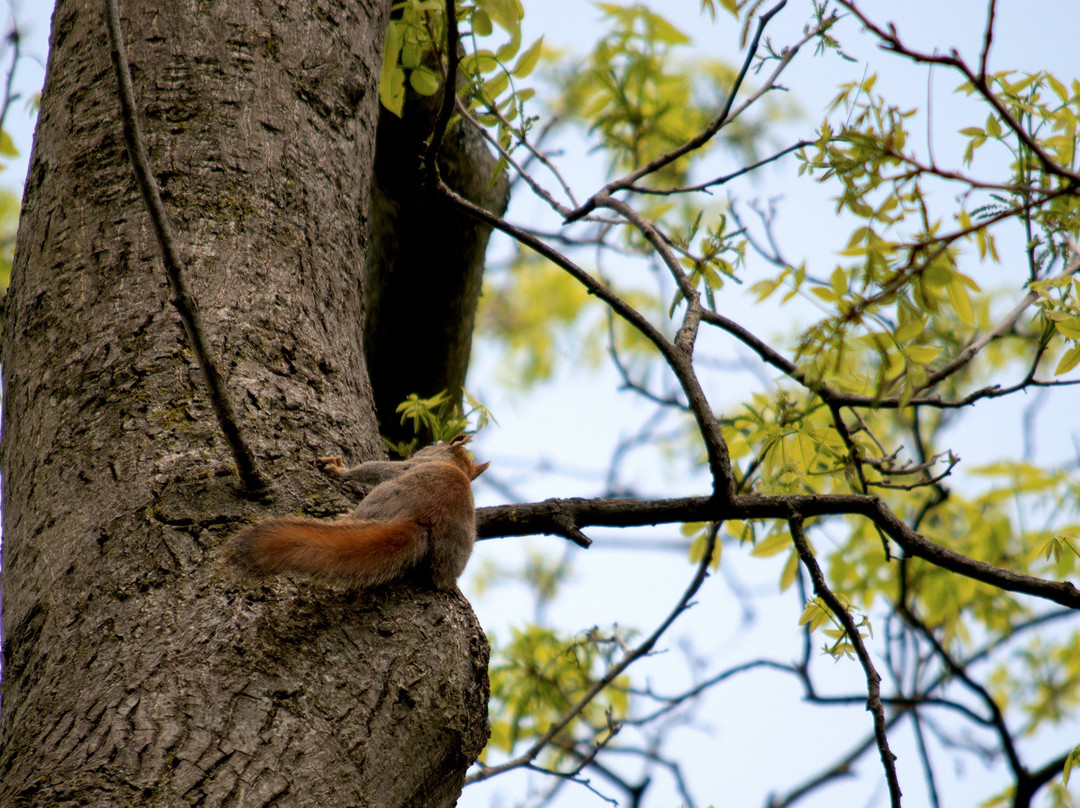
[{"x": 750, "y": 736}]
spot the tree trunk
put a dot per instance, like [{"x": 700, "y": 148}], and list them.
[{"x": 138, "y": 669}]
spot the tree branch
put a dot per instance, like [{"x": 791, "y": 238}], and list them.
[
  {"x": 614, "y": 672},
  {"x": 709, "y": 131},
  {"x": 723, "y": 179},
  {"x": 873, "y": 679},
  {"x": 550, "y": 517},
  {"x": 431, "y": 154},
  {"x": 891, "y": 41},
  {"x": 182, "y": 299},
  {"x": 678, "y": 358}
]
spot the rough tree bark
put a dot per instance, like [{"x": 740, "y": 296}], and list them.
[{"x": 138, "y": 670}]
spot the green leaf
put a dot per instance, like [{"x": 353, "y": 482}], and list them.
[
  {"x": 776, "y": 543},
  {"x": 424, "y": 81},
  {"x": 506, "y": 14},
  {"x": 1069, "y": 327},
  {"x": 790, "y": 571},
  {"x": 665, "y": 31},
  {"x": 481, "y": 23},
  {"x": 479, "y": 63},
  {"x": 7, "y": 145},
  {"x": 392, "y": 77},
  {"x": 839, "y": 283},
  {"x": 1070, "y": 360},
  {"x": 508, "y": 51},
  {"x": 494, "y": 87},
  {"x": 960, "y": 301},
  {"x": 527, "y": 61},
  {"x": 1072, "y": 760},
  {"x": 815, "y": 614},
  {"x": 923, "y": 354}
]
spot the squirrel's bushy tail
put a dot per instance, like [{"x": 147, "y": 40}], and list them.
[{"x": 364, "y": 552}]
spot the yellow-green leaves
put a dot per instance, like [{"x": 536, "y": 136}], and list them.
[
  {"x": 817, "y": 615},
  {"x": 640, "y": 101},
  {"x": 1059, "y": 299},
  {"x": 793, "y": 447},
  {"x": 7, "y": 145},
  {"x": 1070, "y": 762},
  {"x": 440, "y": 417},
  {"x": 407, "y": 46},
  {"x": 507, "y": 14},
  {"x": 9, "y": 223},
  {"x": 777, "y": 541},
  {"x": 1062, "y": 549},
  {"x": 526, "y": 313},
  {"x": 698, "y": 532},
  {"x": 540, "y": 674},
  {"x": 1069, "y": 360},
  {"x": 415, "y": 46}
]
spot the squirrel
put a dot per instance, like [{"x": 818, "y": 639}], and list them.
[{"x": 418, "y": 521}]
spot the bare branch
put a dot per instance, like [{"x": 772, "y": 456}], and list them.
[
  {"x": 709, "y": 131},
  {"x": 10, "y": 96},
  {"x": 832, "y": 396},
  {"x": 988, "y": 39},
  {"x": 891, "y": 41},
  {"x": 678, "y": 358},
  {"x": 525, "y": 176},
  {"x": 873, "y": 679},
  {"x": 182, "y": 298},
  {"x": 446, "y": 109},
  {"x": 614, "y": 672},
  {"x": 722, "y": 180},
  {"x": 550, "y": 516}
]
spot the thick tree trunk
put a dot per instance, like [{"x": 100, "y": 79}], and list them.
[{"x": 138, "y": 670}]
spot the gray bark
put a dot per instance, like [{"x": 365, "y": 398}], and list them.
[{"x": 138, "y": 669}]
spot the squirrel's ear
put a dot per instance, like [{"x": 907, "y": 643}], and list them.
[{"x": 461, "y": 440}]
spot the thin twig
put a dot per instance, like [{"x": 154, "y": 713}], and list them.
[
  {"x": 614, "y": 672},
  {"x": 988, "y": 39},
  {"x": 534, "y": 153},
  {"x": 678, "y": 357},
  {"x": 969, "y": 352},
  {"x": 714, "y": 126},
  {"x": 724, "y": 179},
  {"x": 431, "y": 153},
  {"x": 891, "y": 41},
  {"x": 182, "y": 299},
  {"x": 873, "y": 679},
  {"x": 525, "y": 176},
  {"x": 959, "y": 672},
  {"x": 15, "y": 38}
]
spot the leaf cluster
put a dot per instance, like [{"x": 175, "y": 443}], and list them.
[
  {"x": 440, "y": 417},
  {"x": 540, "y": 674}
]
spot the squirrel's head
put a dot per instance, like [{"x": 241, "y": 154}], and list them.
[{"x": 464, "y": 458}]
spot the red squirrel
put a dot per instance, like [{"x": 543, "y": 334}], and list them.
[{"x": 418, "y": 520}]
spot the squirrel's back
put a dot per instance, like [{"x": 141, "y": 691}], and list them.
[{"x": 420, "y": 520}]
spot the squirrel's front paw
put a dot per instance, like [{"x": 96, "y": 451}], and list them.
[{"x": 330, "y": 466}]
